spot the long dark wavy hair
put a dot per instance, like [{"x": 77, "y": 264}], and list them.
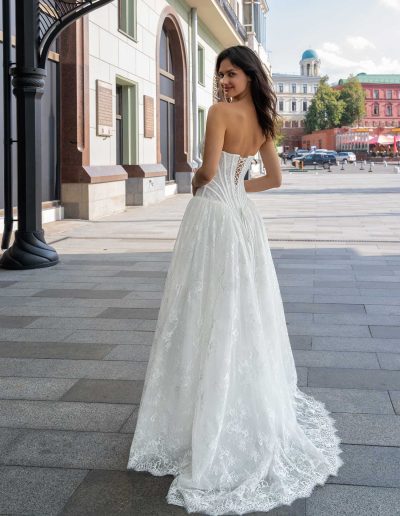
[{"x": 261, "y": 87}]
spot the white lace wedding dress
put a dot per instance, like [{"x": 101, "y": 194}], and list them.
[{"x": 220, "y": 409}]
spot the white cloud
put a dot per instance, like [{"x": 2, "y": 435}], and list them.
[
  {"x": 359, "y": 42},
  {"x": 394, "y": 4},
  {"x": 331, "y": 47},
  {"x": 338, "y": 67}
]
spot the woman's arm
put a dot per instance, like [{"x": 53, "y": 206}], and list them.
[
  {"x": 213, "y": 143},
  {"x": 273, "y": 177}
]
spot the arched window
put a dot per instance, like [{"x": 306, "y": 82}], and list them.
[{"x": 375, "y": 109}]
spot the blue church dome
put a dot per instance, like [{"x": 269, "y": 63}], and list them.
[{"x": 309, "y": 54}]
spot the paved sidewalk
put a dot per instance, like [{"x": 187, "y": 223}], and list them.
[{"x": 75, "y": 338}]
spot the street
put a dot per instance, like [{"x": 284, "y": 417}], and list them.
[{"x": 75, "y": 339}]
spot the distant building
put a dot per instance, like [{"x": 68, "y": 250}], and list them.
[
  {"x": 382, "y": 102},
  {"x": 294, "y": 96}
]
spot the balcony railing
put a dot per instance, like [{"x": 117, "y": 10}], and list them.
[{"x": 233, "y": 19}]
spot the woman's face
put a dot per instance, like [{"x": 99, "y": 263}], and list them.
[{"x": 234, "y": 82}]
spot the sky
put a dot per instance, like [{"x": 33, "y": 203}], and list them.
[{"x": 350, "y": 36}]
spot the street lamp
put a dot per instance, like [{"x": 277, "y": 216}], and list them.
[{"x": 38, "y": 23}]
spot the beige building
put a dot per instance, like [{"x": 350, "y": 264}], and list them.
[
  {"x": 294, "y": 96},
  {"x": 144, "y": 71}
]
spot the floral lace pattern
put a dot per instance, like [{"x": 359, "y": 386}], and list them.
[{"x": 220, "y": 409}]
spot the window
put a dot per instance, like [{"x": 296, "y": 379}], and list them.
[
  {"x": 315, "y": 88},
  {"x": 293, "y": 88},
  {"x": 389, "y": 94},
  {"x": 200, "y": 65},
  {"x": 294, "y": 105},
  {"x": 304, "y": 88},
  {"x": 127, "y": 17},
  {"x": 295, "y": 123},
  {"x": 287, "y": 123},
  {"x": 280, "y": 87},
  {"x": 376, "y": 94},
  {"x": 126, "y": 114},
  {"x": 375, "y": 109},
  {"x": 201, "y": 113},
  {"x": 389, "y": 110},
  {"x": 305, "y": 105},
  {"x": 281, "y": 105}
]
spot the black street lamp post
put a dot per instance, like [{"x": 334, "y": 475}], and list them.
[{"x": 38, "y": 23}]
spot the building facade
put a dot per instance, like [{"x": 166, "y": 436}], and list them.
[
  {"x": 133, "y": 129},
  {"x": 294, "y": 96},
  {"x": 382, "y": 99}
]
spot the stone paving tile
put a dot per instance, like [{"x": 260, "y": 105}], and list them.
[
  {"x": 369, "y": 319},
  {"x": 130, "y": 424},
  {"x": 86, "y": 323},
  {"x": 34, "y": 388},
  {"x": 141, "y": 274},
  {"x": 5, "y": 283},
  {"x": 68, "y": 449},
  {"x": 375, "y": 466},
  {"x": 383, "y": 309},
  {"x": 345, "y": 359},
  {"x": 116, "y": 337},
  {"x": 315, "y": 329},
  {"x": 395, "y": 397},
  {"x": 15, "y": 322},
  {"x": 82, "y": 293},
  {"x": 389, "y": 360},
  {"x": 386, "y": 332},
  {"x": 357, "y": 299},
  {"x": 33, "y": 335},
  {"x": 342, "y": 500},
  {"x": 369, "y": 429},
  {"x": 129, "y": 352},
  {"x": 129, "y": 313},
  {"x": 105, "y": 391},
  {"x": 356, "y": 344},
  {"x": 54, "y": 350},
  {"x": 49, "y": 310},
  {"x": 37, "y": 491},
  {"x": 54, "y": 368},
  {"x": 63, "y": 415},
  {"x": 324, "y": 308},
  {"x": 300, "y": 341},
  {"x": 377, "y": 379},
  {"x": 352, "y": 400}
]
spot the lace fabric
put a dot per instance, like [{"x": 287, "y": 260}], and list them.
[{"x": 220, "y": 409}]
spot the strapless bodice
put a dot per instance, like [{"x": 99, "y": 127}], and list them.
[{"x": 228, "y": 183}]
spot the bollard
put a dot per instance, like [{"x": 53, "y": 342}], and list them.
[
  {"x": 355, "y": 163},
  {"x": 362, "y": 165},
  {"x": 385, "y": 163},
  {"x": 371, "y": 165},
  {"x": 342, "y": 165},
  {"x": 397, "y": 170}
]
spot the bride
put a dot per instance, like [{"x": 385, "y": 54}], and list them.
[{"x": 220, "y": 408}]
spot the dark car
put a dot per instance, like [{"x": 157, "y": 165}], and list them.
[{"x": 323, "y": 159}]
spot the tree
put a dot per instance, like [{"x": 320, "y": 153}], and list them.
[
  {"x": 279, "y": 134},
  {"x": 353, "y": 96},
  {"x": 326, "y": 108}
]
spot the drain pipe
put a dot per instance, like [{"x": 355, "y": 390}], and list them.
[{"x": 195, "y": 117}]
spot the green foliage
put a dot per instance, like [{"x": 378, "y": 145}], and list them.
[
  {"x": 326, "y": 109},
  {"x": 353, "y": 97}
]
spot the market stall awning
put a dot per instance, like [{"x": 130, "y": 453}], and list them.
[{"x": 382, "y": 139}]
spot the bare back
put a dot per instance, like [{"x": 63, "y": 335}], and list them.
[{"x": 243, "y": 135}]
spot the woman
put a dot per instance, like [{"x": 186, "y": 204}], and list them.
[{"x": 220, "y": 409}]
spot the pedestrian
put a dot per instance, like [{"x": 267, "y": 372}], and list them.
[{"x": 221, "y": 409}]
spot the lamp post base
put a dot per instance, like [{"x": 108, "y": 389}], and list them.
[{"x": 29, "y": 251}]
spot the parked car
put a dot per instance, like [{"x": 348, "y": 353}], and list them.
[
  {"x": 317, "y": 158},
  {"x": 297, "y": 154},
  {"x": 346, "y": 157}
]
